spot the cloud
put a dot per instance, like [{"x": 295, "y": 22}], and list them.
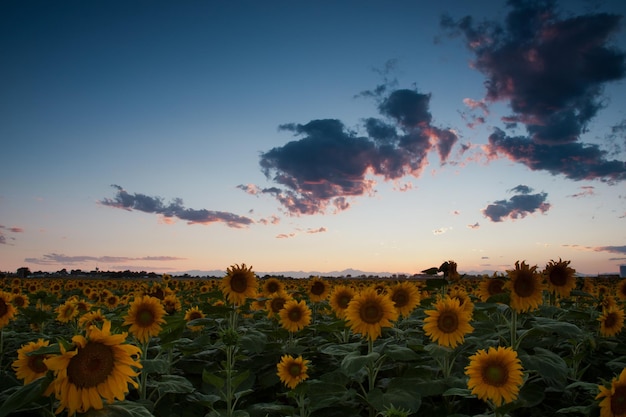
[
  {"x": 307, "y": 231},
  {"x": 441, "y": 230},
  {"x": 552, "y": 72},
  {"x": 474, "y": 226},
  {"x": 318, "y": 230},
  {"x": 611, "y": 249},
  {"x": 330, "y": 164},
  {"x": 3, "y": 238},
  {"x": 585, "y": 191},
  {"x": 56, "y": 258},
  {"x": 518, "y": 206},
  {"x": 147, "y": 204}
]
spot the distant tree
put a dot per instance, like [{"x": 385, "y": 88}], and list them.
[{"x": 23, "y": 272}]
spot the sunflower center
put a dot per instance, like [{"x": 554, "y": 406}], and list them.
[
  {"x": 19, "y": 301},
  {"x": 495, "y": 374},
  {"x": 295, "y": 370},
  {"x": 318, "y": 288},
  {"x": 558, "y": 277},
  {"x": 610, "y": 321},
  {"x": 618, "y": 401},
  {"x": 495, "y": 286},
  {"x": 524, "y": 285},
  {"x": 91, "y": 366},
  {"x": 239, "y": 283},
  {"x": 343, "y": 301},
  {"x": 277, "y": 304},
  {"x": 371, "y": 313},
  {"x": 272, "y": 287},
  {"x": 400, "y": 298},
  {"x": 145, "y": 318},
  {"x": 35, "y": 363},
  {"x": 448, "y": 322},
  {"x": 195, "y": 315},
  {"x": 295, "y": 314},
  {"x": 3, "y": 308}
]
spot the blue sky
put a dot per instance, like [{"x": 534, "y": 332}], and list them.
[{"x": 381, "y": 136}]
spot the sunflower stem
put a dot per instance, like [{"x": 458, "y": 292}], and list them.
[
  {"x": 143, "y": 383},
  {"x": 513, "y": 325}
]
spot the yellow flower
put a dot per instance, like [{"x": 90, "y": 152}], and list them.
[
  {"x": 405, "y": 297},
  {"x": 100, "y": 366},
  {"x": 30, "y": 367},
  {"x": 613, "y": 402},
  {"x": 340, "y": 298},
  {"x": 7, "y": 310},
  {"x": 525, "y": 287},
  {"x": 171, "y": 303},
  {"x": 91, "y": 318},
  {"x": 368, "y": 312},
  {"x": 192, "y": 314},
  {"x": 611, "y": 321},
  {"x": 495, "y": 374},
  {"x": 239, "y": 284},
  {"x": 20, "y": 300},
  {"x": 145, "y": 316},
  {"x": 560, "y": 277},
  {"x": 276, "y": 302},
  {"x": 448, "y": 323},
  {"x": 488, "y": 287},
  {"x": 318, "y": 289},
  {"x": 295, "y": 315},
  {"x": 67, "y": 311},
  {"x": 272, "y": 286},
  {"x": 292, "y": 371}
]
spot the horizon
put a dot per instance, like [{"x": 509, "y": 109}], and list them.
[{"x": 317, "y": 137}]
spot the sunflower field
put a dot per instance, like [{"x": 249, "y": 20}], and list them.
[{"x": 529, "y": 342}]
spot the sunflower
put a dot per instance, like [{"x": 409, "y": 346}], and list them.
[
  {"x": 525, "y": 287},
  {"x": 192, "y": 314},
  {"x": 405, "y": 297},
  {"x": 20, "y": 301},
  {"x": 495, "y": 374},
  {"x": 318, "y": 289},
  {"x": 295, "y": 315},
  {"x": 91, "y": 318},
  {"x": 368, "y": 312},
  {"x": 613, "y": 402},
  {"x": 30, "y": 367},
  {"x": 145, "y": 316},
  {"x": 340, "y": 298},
  {"x": 560, "y": 277},
  {"x": 488, "y": 287},
  {"x": 292, "y": 371},
  {"x": 448, "y": 323},
  {"x": 621, "y": 290},
  {"x": 276, "y": 302},
  {"x": 272, "y": 286},
  {"x": 7, "y": 310},
  {"x": 464, "y": 299},
  {"x": 171, "y": 303},
  {"x": 100, "y": 366},
  {"x": 239, "y": 284},
  {"x": 611, "y": 321}
]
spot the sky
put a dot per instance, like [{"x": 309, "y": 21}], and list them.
[{"x": 382, "y": 136}]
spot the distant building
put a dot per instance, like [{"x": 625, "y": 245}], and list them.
[{"x": 622, "y": 271}]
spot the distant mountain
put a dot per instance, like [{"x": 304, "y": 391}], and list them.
[{"x": 292, "y": 274}]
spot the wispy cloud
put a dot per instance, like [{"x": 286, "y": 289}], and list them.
[
  {"x": 61, "y": 259},
  {"x": 584, "y": 192},
  {"x": 474, "y": 226},
  {"x": 441, "y": 230},
  {"x": 518, "y": 206},
  {"x": 298, "y": 231},
  {"x": 175, "y": 208},
  {"x": 4, "y": 239},
  {"x": 552, "y": 72}
]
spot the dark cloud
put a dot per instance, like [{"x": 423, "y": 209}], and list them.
[
  {"x": 147, "y": 204},
  {"x": 56, "y": 258},
  {"x": 330, "y": 163},
  {"x": 611, "y": 249},
  {"x": 518, "y": 206},
  {"x": 552, "y": 71}
]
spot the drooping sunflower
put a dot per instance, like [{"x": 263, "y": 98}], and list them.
[
  {"x": 368, "y": 312},
  {"x": 495, "y": 374},
  {"x": 340, "y": 298},
  {"x": 405, "y": 297},
  {"x": 488, "y": 287},
  {"x": 560, "y": 278},
  {"x": 239, "y": 284},
  {"x": 448, "y": 323},
  {"x": 7, "y": 310},
  {"x": 611, "y": 321},
  {"x": 318, "y": 289},
  {"x": 295, "y": 315},
  {"x": 613, "y": 398},
  {"x": 525, "y": 287},
  {"x": 192, "y": 314},
  {"x": 272, "y": 286},
  {"x": 101, "y": 365},
  {"x": 292, "y": 371},
  {"x": 171, "y": 304},
  {"x": 29, "y": 367},
  {"x": 145, "y": 316},
  {"x": 276, "y": 302}
]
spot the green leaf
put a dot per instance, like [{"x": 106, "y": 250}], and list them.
[
  {"x": 401, "y": 353},
  {"x": 253, "y": 341},
  {"x": 210, "y": 378},
  {"x": 355, "y": 362},
  {"x": 550, "y": 366},
  {"x": 174, "y": 384},
  {"x": 120, "y": 409},
  {"x": 398, "y": 395},
  {"x": 155, "y": 366},
  {"x": 577, "y": 409},
  {"x": 459, "y": 392},
  {"x": 564, "y": 329},
  {"x": 24, "y": 396}
]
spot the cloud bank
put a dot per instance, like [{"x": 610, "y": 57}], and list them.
[
  {"x": 518, "y": 206},
  {"x": 56, "y": 258}
]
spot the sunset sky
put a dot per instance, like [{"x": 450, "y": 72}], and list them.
[{"x": 384, "y": 136}]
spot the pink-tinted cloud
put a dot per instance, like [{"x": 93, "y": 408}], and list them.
[
  {"x": 4, "y": 239},
  {"x": 585, "y": 191},
  {"x": 518, "y": 206},
  {"x": 474, "y": 226}
]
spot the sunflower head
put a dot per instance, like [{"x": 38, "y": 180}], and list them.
[
  {"x": 368, "y": 312},
  {"x": 30, "y": 366},
  {"x": 525, "y": 286},
  {"x": 340, "y": 299},
  {"x": 318, "y": 289},
  {"x": 239, "y": 284},
  {"x": 145, "y": 316},
  {"x": 495, "y": 375},
  {"x": 276, "y": 302},
  {"x": 611, "y": 321},
  {"x": 405, "y": 297},
  {"x": 560, "y": 277},
  {"x": 448, "y": 323},
  {"x": 613, "y": 398},
  {"x": 488, "y": 287},
  {"x": 192, "y": 314},
  {"x": 295, "y": 315},
  {"x": 7, "y": 310},
  {"x": 292, "y": 371},
  {"x": 272, "y": 286}
]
